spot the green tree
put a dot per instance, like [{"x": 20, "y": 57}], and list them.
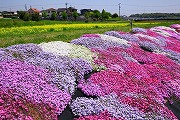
[
  {"x": 91, "y": 14},
  {"x": 109, "y": 14},
  {"x": 53, "y": 16},
  {"x": 115, "y": 15},
  {"x": 44, "y": 14},
  {"x": 35, "y": 17},
  {"x": 75, "y": 15},
  {"x": 96, "y": 15},
  {"x": 64, "y": 15},
  {"x": 87, "y": 16},
  {"x": 21, "y": 14},
  {"x": 105, "y": 15},
  {"x": 26, "y": 17}
]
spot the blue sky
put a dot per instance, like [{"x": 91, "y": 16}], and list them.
[{"x": 127, "y": 6}]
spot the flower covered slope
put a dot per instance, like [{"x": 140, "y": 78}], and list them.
[
  {"x": 40, "y": 77},
  {"x": 142, "y": 69},
  {"x": 123, "y": 76}
]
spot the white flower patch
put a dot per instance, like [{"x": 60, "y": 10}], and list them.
[
  {"x": 165, "y": 28},
  {"x": 150, "y": 38},
  {"x": 67, "y": 49},
  {"x": 146, "y": 36},
  {"x": 82, "y": 52},
  {"x": 162, "y": 32},
  {"x": 171, "y": 31},
  {"x": 114, "y": 39},
  {"x": 57, "y": 47}
]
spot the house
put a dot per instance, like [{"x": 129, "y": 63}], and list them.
[
  {"x": 49, "y": 12},
  {"x": 8, "y": 14},
  {"x": 60, "y": 10},
  {"x": 83, "y": 11},
  {"x": 1, "y": 15},
  {"x": 69, "y": 10},
  {"x": 33, "y": 10}
]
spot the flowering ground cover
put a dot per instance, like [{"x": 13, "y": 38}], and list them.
[{"x": 116, "y": 75}]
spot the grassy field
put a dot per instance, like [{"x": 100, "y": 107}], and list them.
[{"x": 18, "y": 32}]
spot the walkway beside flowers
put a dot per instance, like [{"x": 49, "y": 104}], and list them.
[{"x": 130, "y": 76}]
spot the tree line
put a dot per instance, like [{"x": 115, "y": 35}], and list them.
[
  {"x": 157, "y": 15},
  {"x": 94, "y": 15},
  {"x": 26, "y": 16}
]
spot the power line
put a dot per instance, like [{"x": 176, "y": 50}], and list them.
[
  {"x": 92, "y": 5},
  {"x": 110, "y": 6},
  {"x": 30, "y": 4},
  {"x": 148, "y": 9},
  {"x": 151, "y": 6}
]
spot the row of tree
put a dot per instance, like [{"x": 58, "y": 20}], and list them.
[
  {"x": 156, "y": 15},
  {"x": 96, "y": 15},
  {"x": 63, "y": 15},
  {"x": 26, "y": 16},
  {"x": 93, "y": 15}
]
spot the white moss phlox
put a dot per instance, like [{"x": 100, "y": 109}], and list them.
[{"x": 68, "y": 49}]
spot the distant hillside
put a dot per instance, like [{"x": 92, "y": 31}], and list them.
[{"x": 157, "y": 15}]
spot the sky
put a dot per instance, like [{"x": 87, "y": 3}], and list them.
[{"x": 128, "y": 7}]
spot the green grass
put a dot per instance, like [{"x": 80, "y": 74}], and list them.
[
  {"x": 8, "y": 23},
  {"x": 154, "y": 23},
  {"x": 66, "y": 34}
]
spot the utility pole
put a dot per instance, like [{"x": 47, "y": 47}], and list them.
[
  {"x": 66, "y": 9},
  {"x": 119, "y": 9},
  {"x": 66, "y": 5},
  {"x": 25, "y": 7}
]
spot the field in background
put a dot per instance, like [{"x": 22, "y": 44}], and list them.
[{"x": 18, "y": 32}]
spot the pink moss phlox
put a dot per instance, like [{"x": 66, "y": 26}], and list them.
[
  {"x": 13, "y": 107},
  {"x": 102, "y": 116},
  {"x": 136, "y": 92},
  {"x": 32, "y": 81},
  {"x": 90, "y": 89},
  {"x": 175, "y": 26}
]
